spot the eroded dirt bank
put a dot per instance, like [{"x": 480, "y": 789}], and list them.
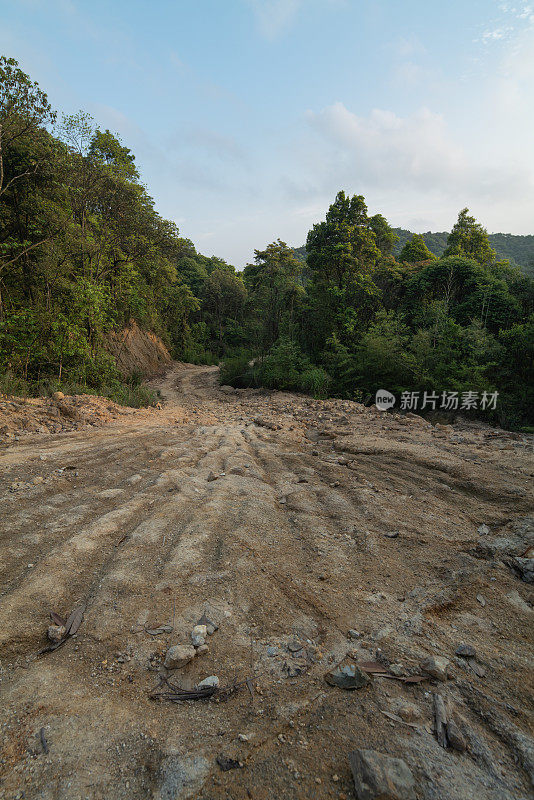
[{"x": 288, "y": 522}]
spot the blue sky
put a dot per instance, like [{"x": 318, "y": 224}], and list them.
[{"x": 247, "y": 116}]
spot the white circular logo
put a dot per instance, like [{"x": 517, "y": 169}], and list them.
[{"x": 384, "y": 400}]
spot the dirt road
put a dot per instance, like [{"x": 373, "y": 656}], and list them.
[{"x": 288, "y": 522}]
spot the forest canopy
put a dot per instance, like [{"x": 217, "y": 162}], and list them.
[{"x": 362, "y": 307}]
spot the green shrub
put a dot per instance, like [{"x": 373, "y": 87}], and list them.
[{"x": 315, "y": 381}]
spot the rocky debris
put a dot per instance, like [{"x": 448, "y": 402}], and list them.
[
  {"x": 381, "y": 777},
  {"x": 212, "y": 477},
  {"x": 483, "y": 530},
  {"x": 447, "y": 731},
  {"x": 437, "y": 666},
  {"x": 525, "y": 568},
  {"x": 178, "y": 656},
  {"x": 198, "y": 635},
  {"x": 212, "y": 681},
  {"x": 347, "y": 675},
  {"x": 56, "y": 632},
  {"x": 211, "y": 626},
  {"x": 455, "y": 737},
  {"x": 466, "y": 651},
  {"x": 353, "y": 634},
  {"x": 237, "y": 471}
]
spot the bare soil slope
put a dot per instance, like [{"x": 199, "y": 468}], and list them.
[
  {"x": 138, "y": 350},
  {"x": 288, "y": 522}
]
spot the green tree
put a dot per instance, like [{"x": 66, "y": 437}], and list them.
[
  {"x": 415, "y": 250},
  {"x": 468, "y": 238}
]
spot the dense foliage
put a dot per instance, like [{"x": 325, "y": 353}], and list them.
[
  {"x": 518, "y": 250},
  {"x": 83, "y": 250}
]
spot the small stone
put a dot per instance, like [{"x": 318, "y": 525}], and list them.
[
  {"x": 58, "y": 396},
  {"x": 211, "y": 477},
  {"x": 392, "y": 534},
  {"x": 437, "y": 666},
  {"x": 347, "y": 675},
  {"x": 56, "y": 632},
  {"x": 237, "y": 471},
  {"x": 198, "y": 635},
  {"x": 466, "y": 651},
  {"x": 483, "y": 530},
  {"x": 397, "y": 670},
  {"x": 481, "y": 599},
  {"x": 179, "y": 655},
  {"x": 335, "y": 778},
  {"x": 272, "y": 651},
  {"x": 409, "y": 712},
  {"x": 353, "y": 634},
  {"x": 455, "y": 737},
  {"x": 380, "y": 777},
  {"x": 210, "y": 625},
  {"x": 243, "y": 737},
  {"x": 202, "y": 649},
  {"x": 212, "y": 681},
  {"x": 525, "y": 567}
]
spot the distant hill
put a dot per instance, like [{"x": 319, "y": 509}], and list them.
[{"x": 519, "y": 250}]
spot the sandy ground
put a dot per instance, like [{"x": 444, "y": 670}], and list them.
[{"x": 286, "y": 550}]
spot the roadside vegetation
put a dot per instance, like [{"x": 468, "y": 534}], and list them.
[{"x": 83, "y": 251}]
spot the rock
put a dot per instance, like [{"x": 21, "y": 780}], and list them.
[
  {"x": 483, "y": 530},
  {"x": 353, "y": 634},
  {"x": 397, "y": 670},
  {"x": 455, "y": 737},
  {"x": 179, "y": 655},
  {"x": 209, "y": 682},
  {"x": 481, "y": 599},
  {"x": 56, "y": 632},
  {"x": 198, "y": 635},
  {"x": 466, "y": 651},
  {"x": 380, "y": 777},
  {"x": 243, "y": 737},
  {"x": 409, "y": 712},
  {"x": 211, "y": 477},
  {"x": 525, "y": 567},
  {"x": 237, "y": 471},
  {"x": 58, "y": 396},
  {"x": 210, "y": 625},
  {"x": 347, "y": 675},
  {"x": 202, "y": 649},
  {"x": 182, "y": 776},
  {"x": 392, "y": 534},
  {"x": 437, "y": 666}
]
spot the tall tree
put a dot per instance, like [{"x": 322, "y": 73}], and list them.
[
  {"x": 468, "y": 238},
  {"x": 415, "y": 250}
]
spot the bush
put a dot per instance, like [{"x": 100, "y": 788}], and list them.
[
  {"x": 315, "y": 381},
  {"x": 238, "y": 372}
]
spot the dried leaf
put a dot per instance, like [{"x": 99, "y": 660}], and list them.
[
  {"x": 57, "y": 619},
  {"x": 75, "y": 619},
  {"x": 372, "y": 667}
]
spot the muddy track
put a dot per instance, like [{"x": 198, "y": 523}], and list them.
[{"x": 286, "y": 549}]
